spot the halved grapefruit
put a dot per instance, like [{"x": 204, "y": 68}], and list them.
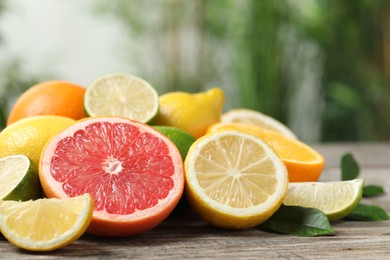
[{"x": 133, "y": 172}]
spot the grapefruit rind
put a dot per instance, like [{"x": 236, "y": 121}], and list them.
[{"x": 117, "y": 225}]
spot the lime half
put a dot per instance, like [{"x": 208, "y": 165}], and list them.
[
  {"x": 122, "y": 95},
  {"x": 19, "y": 179},
  {"x": 335, "y": 199}
]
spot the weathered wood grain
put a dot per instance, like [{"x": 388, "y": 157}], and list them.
[{"x": 188, "y": 237}]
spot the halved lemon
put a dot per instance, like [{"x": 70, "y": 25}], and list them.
[
  {"x": 45, "y": 224},
  {"x": 234, "y": 180}
]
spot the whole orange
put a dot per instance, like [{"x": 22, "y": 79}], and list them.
[{"x": 50, "y": 98}]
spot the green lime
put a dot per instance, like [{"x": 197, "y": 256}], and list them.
[
  {"x": 335, "y": 199},
  {"x": 183, "y": 142},
  {"x": 19, "y": 178},
  {"x": 122, "y": 95},
  {"x": 180, "y": 138}
]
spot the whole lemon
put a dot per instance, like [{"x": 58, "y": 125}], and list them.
[
  {"x": 29, "y": 135},
  {"x": 191, "y": 112}
]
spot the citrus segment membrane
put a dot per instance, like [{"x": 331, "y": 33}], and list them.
[
  {"x": 234, "y": 176},
  {"x": 130, "y": 169}
]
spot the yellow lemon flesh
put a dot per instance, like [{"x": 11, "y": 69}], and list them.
[
  {"x": 192, "y": 113},
  {"x": 29, "y": 135},
  {"x": 45, "y": 224},
  {"x": 234, "y": 180}
]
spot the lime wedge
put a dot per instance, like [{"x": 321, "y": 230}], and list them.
[
  {"x": 122, "y": 95},
  {"x": 335, "y": 199},
  {"x": 19, "y": 179}
]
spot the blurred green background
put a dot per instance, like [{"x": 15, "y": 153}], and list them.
[{"x": 322, "y": 67}]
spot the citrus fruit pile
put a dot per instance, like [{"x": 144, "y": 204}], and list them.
[{"x": 115, "y": 159}]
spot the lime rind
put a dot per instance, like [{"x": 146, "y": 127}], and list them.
[
  {"x": 335, "y": 199},
  {"x": 180, "y": 138},
  {"x": 122, "y": 95},
  {"x": 24, "y": 184}
]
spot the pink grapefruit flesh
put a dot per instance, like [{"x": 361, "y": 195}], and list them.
[{"x": 133, "y": 172}]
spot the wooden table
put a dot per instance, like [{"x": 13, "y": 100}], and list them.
[{"x": 187, "y": 236}]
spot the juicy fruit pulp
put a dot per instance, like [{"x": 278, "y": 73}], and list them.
[
  {"x": 19, "y": 179},
  {"x": 45, "y": 224},
  {"x": 234, "y": 180},
  {"x": 133, "y": 172}
]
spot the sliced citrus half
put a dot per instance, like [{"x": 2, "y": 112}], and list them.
[
  {"x": 121, "y": 95},
  {"x": 256, "y": 118},
  {"x": 19, "y": 178},
  {"x": 302, "y": 161},
  {"x": 234, "y": 180},
  {"x": 45, "y": 224},
  {"x": 133, "y": 172},
  {"x": 335, "y": 199}
]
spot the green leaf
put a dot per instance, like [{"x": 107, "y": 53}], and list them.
[
  {"x": 349, "y": 167},
  {"x": 372, "y": 190},
  {"x": 368, "y": 213},
  {"x": 299, "y": 221}
]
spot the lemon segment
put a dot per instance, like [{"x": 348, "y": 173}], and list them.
[
  {"x": 122, "y": 95},
  {"x": 19, "y": 179},
  {"x": 335, "y": 199},
  {"x": 45, "y": 224},
  {"x": 234, "y": 180}
]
